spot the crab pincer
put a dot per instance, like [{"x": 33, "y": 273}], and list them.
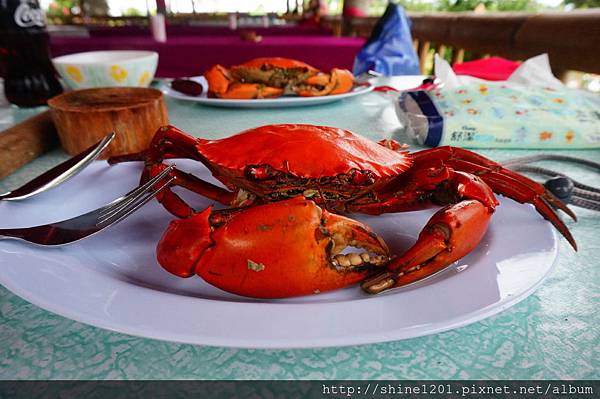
[
  {"x": 450, "y": 234},
  {"x": 275, "y": 250}
]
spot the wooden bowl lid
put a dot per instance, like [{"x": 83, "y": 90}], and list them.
[
  {"x": 84, "y": 117},
  {"x": 104, "y": 99}
]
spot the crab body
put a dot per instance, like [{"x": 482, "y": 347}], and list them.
[
  {"x": 285, "y": 186},
  {"x": 273, "y": 77},
  {"x": 277, "y": 161}
]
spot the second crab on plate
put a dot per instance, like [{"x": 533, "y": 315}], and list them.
[{"x": 274, "y": 77}]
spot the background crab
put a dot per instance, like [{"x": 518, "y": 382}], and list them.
[
  {"x": 273, "y": 77},
  {"x": 286, "y": 184}
]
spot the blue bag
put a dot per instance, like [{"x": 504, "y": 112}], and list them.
[{"x": 389, "y": 50}]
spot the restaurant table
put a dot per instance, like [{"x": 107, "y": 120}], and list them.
[
  {"x": 552, "y": 334},
  {"x": 192, "y": 55}
]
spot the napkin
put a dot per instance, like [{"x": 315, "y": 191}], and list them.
[
  {"x": 389, "y": 50},
  {"x": 535, "y": 72}
]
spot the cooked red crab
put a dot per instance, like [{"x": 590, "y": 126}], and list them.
[
  {"x": 285, "y": 185},
  {"x": 273, "y": 77}
]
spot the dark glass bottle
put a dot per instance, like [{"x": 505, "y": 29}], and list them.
[{"x": 29, "y": 76}]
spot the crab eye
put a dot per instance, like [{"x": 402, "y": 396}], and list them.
[{"x": 259, "y": 172}]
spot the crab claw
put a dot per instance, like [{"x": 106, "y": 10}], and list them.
[
  {"x": 244, "y": 91},
  {"x": 184, "y": 243},
  {"x": 344, "y": 233},
  {"x": 450, "y": 234},
  {"x": 322, "y": 84},
  {"x": 289, "y": 248},
  {"x": 276, "y": 250},
  {"x": 219, "y": 79}
]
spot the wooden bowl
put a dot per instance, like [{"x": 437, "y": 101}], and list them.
[{"x": 84, "y": 117}]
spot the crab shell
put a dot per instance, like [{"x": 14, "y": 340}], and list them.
[
  {"x": 277, "y": 62},
  {"x": 307, "y": 157},
  {"x": 261, "y": 70}
]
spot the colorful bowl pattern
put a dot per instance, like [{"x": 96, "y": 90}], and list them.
[{"x": 107, "y": 68}]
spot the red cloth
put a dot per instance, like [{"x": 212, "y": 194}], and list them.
[
  {"x": 190, "y": 56},
  {"x": 493, "y": 68},
  {"x": 353, "y": 12}
]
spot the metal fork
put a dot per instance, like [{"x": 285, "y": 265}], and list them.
[
  {"x": 59, "y": 173},
  {"x": 71, "y": 230}
]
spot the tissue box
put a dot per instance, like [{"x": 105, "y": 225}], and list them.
[{"x": 531, "y": 109}]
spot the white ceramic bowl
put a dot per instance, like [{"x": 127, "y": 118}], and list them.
[{"x": 107, "y": 68}]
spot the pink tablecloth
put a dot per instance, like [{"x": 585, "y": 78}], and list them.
[
  {"x": 190, "y": 30},
  {"x": 188, "y": 56}
]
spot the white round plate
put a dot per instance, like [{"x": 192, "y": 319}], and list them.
[
  {"x": 279, "y": 102},
  {"x": 112, "y": 280}
]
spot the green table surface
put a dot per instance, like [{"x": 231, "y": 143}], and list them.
[{"x": 553, "y": 334}]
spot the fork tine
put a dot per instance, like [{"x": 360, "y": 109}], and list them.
[
  {"x": 116, "y": 205},
  {"x": 132, "y": 205}
]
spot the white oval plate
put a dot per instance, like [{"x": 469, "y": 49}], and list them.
[
  {"x": 284, "y": 101},
  {"x": 113, "y": 281}
]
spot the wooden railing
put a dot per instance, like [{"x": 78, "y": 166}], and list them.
[
  {"x": 173, "y": 19},
  {"x": 572, "y": 39}
]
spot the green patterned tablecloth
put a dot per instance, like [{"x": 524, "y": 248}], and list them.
[{"x": 553, "y": 334}]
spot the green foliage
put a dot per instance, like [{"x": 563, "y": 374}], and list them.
[
  {"x": 460, "y": 5},
  {"x": 377, "y": 7},
  {"x": 133, "y": 12},
  {"x": 416, "y": 5},
  {"x": 61, "y": 8},
  {"x": 490, "y": 5},
  {"x": 517, "y": 5},
  {"x": 583, "y": 3}
]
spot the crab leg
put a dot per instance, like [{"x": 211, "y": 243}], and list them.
[
  {"x": 169, "y": 142},
  {"x": 250, "y": 90},
  {"x": 173, "y": 202},
  {"x": 415, "y": 191},
  {"x": 457, "y": 229},
  {"x": 448, "y": 174},
  {"x": 502, "y": 181},
  {"x": 450, "y": 234}
]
